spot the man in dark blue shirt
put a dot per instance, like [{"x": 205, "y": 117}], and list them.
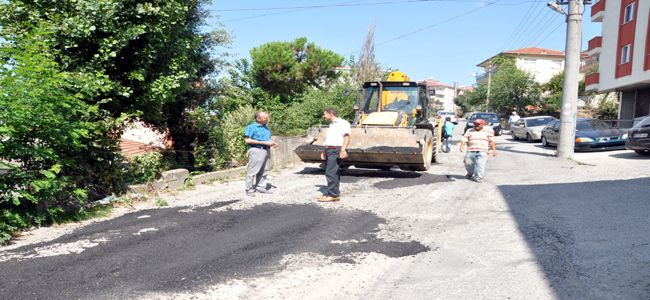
[{"x": 258, "y": 137}]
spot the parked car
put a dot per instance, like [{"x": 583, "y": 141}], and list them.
[
  {"x": 591, "y": 135},
  {"x": 492, "y": 120},
  {"x": 450, "y": 114},
  {"x": 638, "y": 137},
  {"x": 530, "y": 128}
]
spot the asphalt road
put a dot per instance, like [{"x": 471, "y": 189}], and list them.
[{"x": 538, "y": 227}]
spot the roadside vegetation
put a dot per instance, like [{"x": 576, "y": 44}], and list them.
[{"x": 73, "y": 73}]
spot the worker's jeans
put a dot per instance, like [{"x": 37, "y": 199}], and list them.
[
  {"x": 447, "y": 144},
  {"x": 332, "y": 172},
  {"x": 258, "y": 168},
  {"x": 475, "y": 164}
]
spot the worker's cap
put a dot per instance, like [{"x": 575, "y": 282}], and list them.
[{"x": 479, "y": 121}]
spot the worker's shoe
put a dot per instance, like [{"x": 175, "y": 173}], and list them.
[{"x": 329, "y": 198}]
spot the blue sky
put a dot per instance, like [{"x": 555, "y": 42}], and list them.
[{"x": 438, "y": 39}]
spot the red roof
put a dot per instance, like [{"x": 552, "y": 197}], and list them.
[
  {"x": 131, "y": 149},
  {"x": 535, "y": 51}
]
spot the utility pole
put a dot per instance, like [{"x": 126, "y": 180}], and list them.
[
  {"x": 487, "y": 102},
  {"x": 566, "y": 145}
]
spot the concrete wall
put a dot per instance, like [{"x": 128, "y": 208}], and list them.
[{"x": 281, "y": 157}]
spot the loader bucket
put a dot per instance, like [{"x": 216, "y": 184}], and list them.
[{"x": 377, "y": 147}]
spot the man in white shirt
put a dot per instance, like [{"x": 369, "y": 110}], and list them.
[
  {"x": 512, "y": 119},
  {"x": 336, "y": 144}
]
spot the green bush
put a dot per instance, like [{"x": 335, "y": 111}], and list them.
[
  {"x": 145, "y": 168},
  {"x": 63, "y": 150}
]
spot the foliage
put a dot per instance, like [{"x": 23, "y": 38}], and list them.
[
  {"x": 160, "y": 202},
  {"x": 286, "y": 69},
  {"x": 551, "y": 102},
  {"x": 307, "y": 111},
  {"x": 513, "y": 89},
  {"x": 144, "y": 54},
  {"x": 63, "y": 148},
  {"x": 606, "y": 110},
  {"x": 145, "y": 168}
]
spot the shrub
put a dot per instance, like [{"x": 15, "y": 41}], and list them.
[{"x": 145, "y": 168}]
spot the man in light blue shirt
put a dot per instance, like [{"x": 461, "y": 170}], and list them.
[
  {"x": 258, "y": 137},
  {"x": 447, "y": 133}
]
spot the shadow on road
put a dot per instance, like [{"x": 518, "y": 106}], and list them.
[
  {"x": 590, "y": 238},
  {"x": 398, "y": 178},
  {"x": 511, "y": 149},
  {"x": 185, "y": 249},
  {"x": 630, "y": 155}
]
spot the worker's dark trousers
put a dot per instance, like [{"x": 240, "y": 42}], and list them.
[{"x": 332, "y": 172}]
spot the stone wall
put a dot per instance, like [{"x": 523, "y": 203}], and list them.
[{"x": 281, "y": 157}]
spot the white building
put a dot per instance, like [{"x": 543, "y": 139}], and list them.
[
  {"x": 541, "y": 63},
  {"x": 445, "y": 94},
  {"x": 619, "y": 59}
]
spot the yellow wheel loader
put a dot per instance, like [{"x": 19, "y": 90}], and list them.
[{"x": 391, "y": 128}]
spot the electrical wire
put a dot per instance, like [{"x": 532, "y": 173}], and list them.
[
  {"x": 357, "y": 4},
  {"x": 518, "y": 27}
]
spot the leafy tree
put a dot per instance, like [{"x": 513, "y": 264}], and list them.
[
  {"x": 552, "y": 100},
  {"x": 144, "y": 53},
  {"x": 513, "y": 89},
  {"x": 63, "y": 150},
  {"x": 286, "y": 69}
]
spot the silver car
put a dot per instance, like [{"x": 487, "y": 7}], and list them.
[
  {"x": 450, "y": 114},
  {"x": 530, "y": 128}
]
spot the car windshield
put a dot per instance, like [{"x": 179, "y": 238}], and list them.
[
  {"x": 644, "y": 123},
  {"x": 592, "y": 125},
  {"x": 488, "y": 117},
  {"x": 538, "y": 121}
]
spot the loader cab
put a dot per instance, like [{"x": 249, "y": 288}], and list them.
[{"x": 399, "y": 103}]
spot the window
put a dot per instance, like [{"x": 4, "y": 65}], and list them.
[
  {"x": 629, "y": 13},
  {"x": 625, "y": 54},
  {"x": 557, "y": 64},
  {"x": 529, "y": 62}
]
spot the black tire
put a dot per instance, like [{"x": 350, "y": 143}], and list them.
[
  {"x": 544, "y": 142},
  {"x": 513, "y": 135},
  {"x": 529, "y": 138},
  {"x": 497, "y": 132},
  {"x": 642, "y": 152}
]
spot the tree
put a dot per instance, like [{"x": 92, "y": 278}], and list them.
[
  {"x": 367, "y": 69},
  {"x": 513, "y": 89},
  {"x": 63, "y": 149},
  {"x": 286, "y": 69},
  {"x": 144, "y": 53},
  {"x": 552, "y": 100}
]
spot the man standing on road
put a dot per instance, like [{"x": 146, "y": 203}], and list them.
[
  {"x": 336, "y": 144},
  {"x": 447, "y": 133},
  {"x": 512, "y": 119},
  {"x": 258, "y": 137},
  {"x": 478, "y": 140}
]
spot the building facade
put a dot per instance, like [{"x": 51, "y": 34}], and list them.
[
  {"x": 619, "y": 59},
  {"x": 443, "y": 95},
  {"x": 541, "y": 63}
]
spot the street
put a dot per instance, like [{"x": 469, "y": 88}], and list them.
[{"x": 537, "y": 228}]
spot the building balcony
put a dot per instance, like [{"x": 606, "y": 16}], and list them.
[
  {"x": 592, "y": 82},
  {"x": 595, "y": 46},
  {"x": 598, "y": 11}
]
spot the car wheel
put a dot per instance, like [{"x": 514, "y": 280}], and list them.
[
  {"x": 497, "y": 132},
  {"x": 544, "y": 141},
  {"x": 642, "y": 152},
  {"x": 514, "y": 136},
  {"x": 529, "y": 138}
]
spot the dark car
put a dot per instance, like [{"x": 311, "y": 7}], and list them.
[
  {"x": 638, "y": 137},
  {"x": 492, "y": 120},
  {"x": 591, "y": 135}
]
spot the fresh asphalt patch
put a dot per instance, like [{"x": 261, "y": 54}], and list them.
[{"x": 187, "y": 249}]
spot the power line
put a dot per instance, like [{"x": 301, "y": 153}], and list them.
[
  {"x": 527, "y": 27},
  {"x": 353, "y": 4},
  {"x": 540, "y": 28},
  {"x": 431, "y": 26},
  {"x": 550, "y": 33},
  {"x": 518, "y": 27},
  {"x": 279, "y": 13}
]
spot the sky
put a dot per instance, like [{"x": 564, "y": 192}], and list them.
[{"x": 442, "y": 40}]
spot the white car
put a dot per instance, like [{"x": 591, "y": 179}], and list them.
[
  {"x": 530, "y": 128},
  {"x": 445, "y": 114}
]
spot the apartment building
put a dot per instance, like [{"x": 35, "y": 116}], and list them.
[
  {"x": 541, "y": 63},
  {"x": 619, "y": 59}
]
